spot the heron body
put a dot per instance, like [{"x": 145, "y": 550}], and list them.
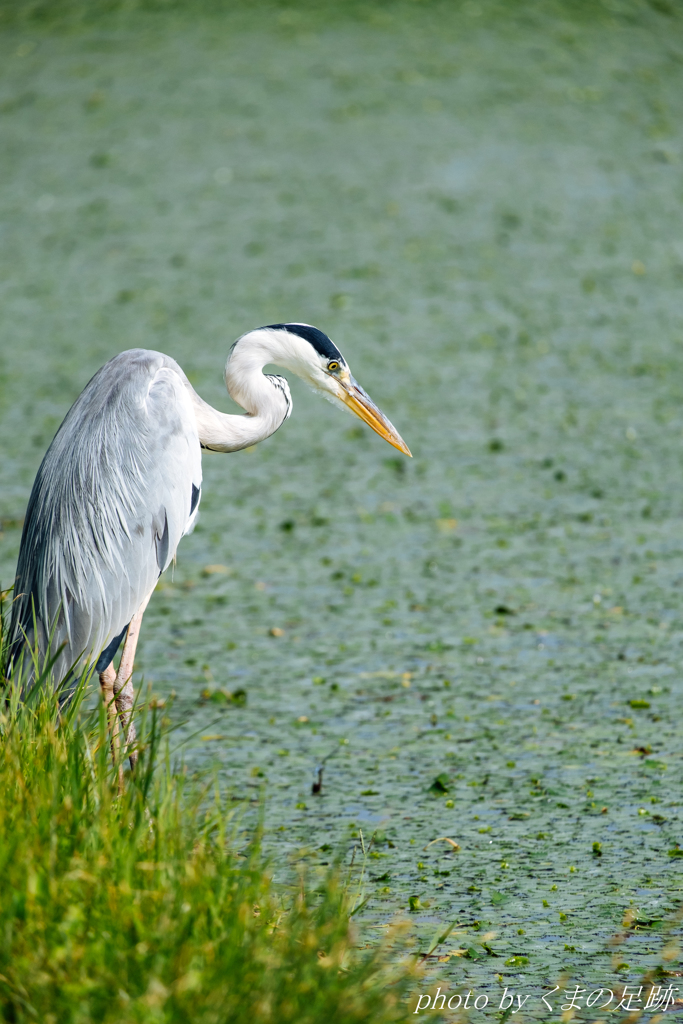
[
  {"x": 117, "y": 489},
  {"x": 120, "y": 486}
]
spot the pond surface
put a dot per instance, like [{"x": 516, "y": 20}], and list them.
[{"x": 482, "y": 643}]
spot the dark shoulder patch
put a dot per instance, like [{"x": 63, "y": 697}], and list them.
[
  {"x": 320, "y": 342},
  {"x": 162, "y": 542},
  {"x": 110, "y": 650},
  {"x": 196, "y": 491}
]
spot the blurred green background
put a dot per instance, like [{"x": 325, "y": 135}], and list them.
[{"x": 480, "y": 202}]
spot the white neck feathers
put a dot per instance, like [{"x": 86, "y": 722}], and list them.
[{"x": 265, "y": 398}]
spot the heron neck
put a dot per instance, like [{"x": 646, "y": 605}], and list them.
[{"x": 264, "y": 398}]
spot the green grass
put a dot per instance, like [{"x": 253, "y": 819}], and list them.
[{"x": 146, "y": 906}]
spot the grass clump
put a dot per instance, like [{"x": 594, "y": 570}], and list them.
[{"x": 139, "y": 906}]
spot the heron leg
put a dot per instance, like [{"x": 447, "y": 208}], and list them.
[
  {"x": 107, "y": 680},
  {"x": 124, "y": 693}
]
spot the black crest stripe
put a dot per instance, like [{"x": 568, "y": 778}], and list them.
[{"x": 320, "y": 342}]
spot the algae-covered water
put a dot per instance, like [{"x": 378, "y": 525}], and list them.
[{"x": 482, "y": 206}]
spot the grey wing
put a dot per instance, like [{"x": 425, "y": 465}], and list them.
[{"x": 118, "y": 488}]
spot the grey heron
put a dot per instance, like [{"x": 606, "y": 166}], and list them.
[{"x": 120, "y": 485}]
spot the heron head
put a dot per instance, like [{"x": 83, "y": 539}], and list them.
[{"x": 311, "y": 355}]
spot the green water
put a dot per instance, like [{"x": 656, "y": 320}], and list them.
[{"x": 483, "y": 209}]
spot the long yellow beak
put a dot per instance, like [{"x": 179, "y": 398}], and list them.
[{"x": 360, "y": 402}]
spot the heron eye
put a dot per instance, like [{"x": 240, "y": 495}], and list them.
[{"x": 333, "y": 365}]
